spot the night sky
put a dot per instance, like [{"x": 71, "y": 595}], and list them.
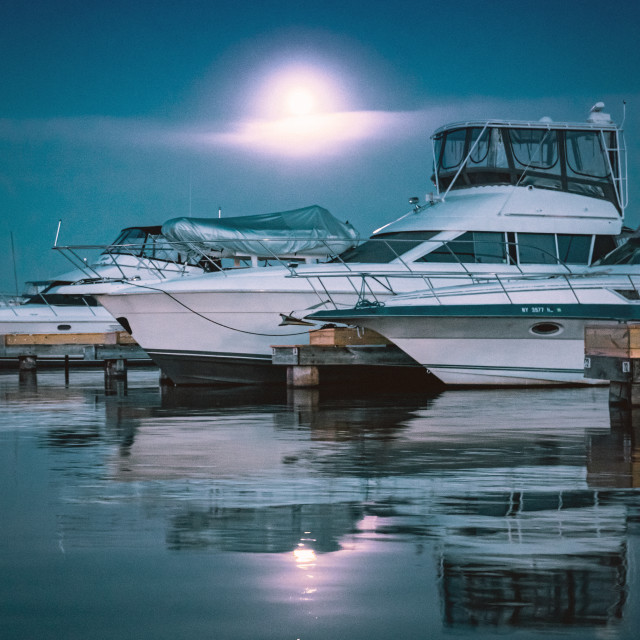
[{"x": 122, "y": 113}]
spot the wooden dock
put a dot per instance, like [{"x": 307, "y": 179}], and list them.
[
  {"x": 612, "y": 352},
  {"x": 345, "y": 355},
  {"x": 25, "y": 351}
]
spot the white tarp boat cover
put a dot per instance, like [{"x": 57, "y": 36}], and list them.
[{"x": 310, "y": 231}]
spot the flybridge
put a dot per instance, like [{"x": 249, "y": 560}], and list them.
[{"x": 587, "y": 158}]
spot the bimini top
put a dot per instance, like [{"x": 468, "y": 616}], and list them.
[
  {"x": 586, "y": 158},
  {"x": 309, "y": 231}
]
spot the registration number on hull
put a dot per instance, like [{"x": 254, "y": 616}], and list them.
[{"x": 541, "y": 309}]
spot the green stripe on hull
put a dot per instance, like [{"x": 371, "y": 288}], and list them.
[{"x": 583, "y": 311}]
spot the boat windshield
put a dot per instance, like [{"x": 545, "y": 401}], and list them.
[
  {"x": 62, "y": 300},
  {"x": 577, "y": 161},
  {"x": 144, "y": 242},
  {"x": 385, "y": 248},
  {"x": 628, "y": 253}
]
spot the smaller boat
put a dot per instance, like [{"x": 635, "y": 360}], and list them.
[
  {"x": 146, "y": 256},
  {"x": 63, "y": 305},
  {"x": 518, "y": 332}
]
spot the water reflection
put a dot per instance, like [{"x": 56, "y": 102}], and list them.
[
  {"x": 303, "y": 529},
  {"x": 521, "y": 501},
  {"x": 549, "y": 560},
  {"x": 613, "y": 458}
]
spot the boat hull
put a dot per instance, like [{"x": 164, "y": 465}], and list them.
[
  {"x": 490, "y": 351},
  {"x": 199, "y": 330},
  {"x": 203, "y": 368},
  {"x": 215, "y": 337}
]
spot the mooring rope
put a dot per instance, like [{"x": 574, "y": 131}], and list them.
[{"x": 220, "y": 324}]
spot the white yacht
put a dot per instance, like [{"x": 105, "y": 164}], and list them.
[
  {"x": 521, "y": 332},
  {"x": 511, "y": 198},
  {"x": 62, "y": 305}
]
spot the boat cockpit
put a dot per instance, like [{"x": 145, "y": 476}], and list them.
[
  {"x": 147, "y": 242},
  {"x": 582, "y": 158}
]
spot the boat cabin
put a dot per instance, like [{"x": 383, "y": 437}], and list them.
[
  {"x": 513, "y": 193},
  {"x": 582, "y": 158}
]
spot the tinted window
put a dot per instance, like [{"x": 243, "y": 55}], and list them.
[
  {"x": 458, "y": 250},
  {"x": 453, "y": 150},
  {"x": 573, "y": 249},
  {"x": 537, "y": 248},
  {"x": 470, "y": 247},
  {"x": 628, "y": 253},
  {"x": 480, "y": 146},
  {"x": 602, "y": 246},
  {"x": 537, "y": 148},
  {"x": 489, "y": 247},
  {"x": 384, "y": 249},
  {"x": 62, "y": 300},
  {"x": 132, "y": 239},
  {"x": 585, "y": 155}
]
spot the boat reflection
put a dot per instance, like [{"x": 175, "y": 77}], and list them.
[
  {"x": 613, "y": 458},
  {"x": 303, "y": 529},
  {"x": 517, "y": 495},
  {"x": 549, "y": 560}
]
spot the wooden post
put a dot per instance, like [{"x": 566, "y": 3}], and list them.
[
  {"x": 27, "y": 363},
  {"x": 115, "y": 377},
  {"x": 165, "y": 380},
  {"x": 28, "y": 372},
  {"x": 115, "y": 369},
  {"x": 303, "y": 376}
]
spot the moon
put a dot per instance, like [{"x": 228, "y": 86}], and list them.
[{"x": 300, "y": 101}]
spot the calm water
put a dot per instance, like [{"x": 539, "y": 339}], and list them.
[{"x": 149, "y": 513}]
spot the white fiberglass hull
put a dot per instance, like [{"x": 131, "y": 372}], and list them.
[
  {"x": 490, "y": 351},
  {"x": 520, "y": 333},
  {"x": 215, "y": 336},
  {"x": 221, "y": 328}
]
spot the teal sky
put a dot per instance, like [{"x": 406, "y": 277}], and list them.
[{"x": 122, "y": 113}]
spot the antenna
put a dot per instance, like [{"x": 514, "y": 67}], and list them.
[
  {"x": 55, "y": 242},
  {"x": 15, "y": 271},
  {"x": 624, "y": 113}
]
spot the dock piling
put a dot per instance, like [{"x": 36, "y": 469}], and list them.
[
  {"x": 612, "y": 352},
  {"x": 27, "y": 362},
  {"x": 300, "y": 376},
  {"x": 115, "y": 368}
]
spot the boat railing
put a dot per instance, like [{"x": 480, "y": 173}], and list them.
[
  {"x": 508, "y": 285},
  {"x": 164, "y": 258},
  {"x": 10, "y": 301},
  {"x": 473, "y": 260},
  {"x": 372, "y": 286}
]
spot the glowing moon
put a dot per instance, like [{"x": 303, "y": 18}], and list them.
[{"x": 300, "y": 102}]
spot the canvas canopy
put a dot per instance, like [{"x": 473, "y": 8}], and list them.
[{"x": 310, "y": 231}]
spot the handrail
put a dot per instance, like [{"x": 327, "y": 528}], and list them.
[
  {"x": 506, "y": 282},
  {"x": 463, "y": 163},
  {"x": 622, "y": 193},
  {"x": 47, "y": 304}
]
